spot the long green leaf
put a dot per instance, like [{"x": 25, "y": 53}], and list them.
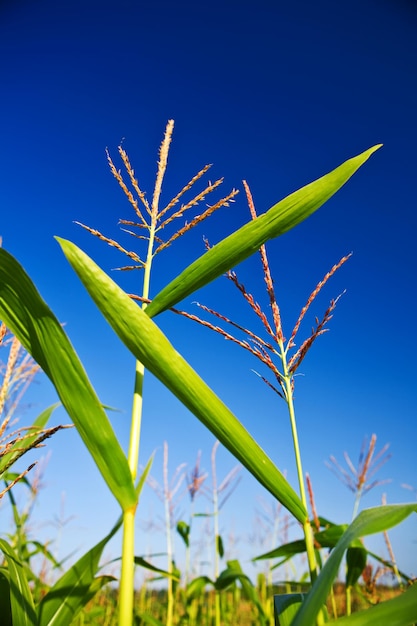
[
  {"x": 247, "y": 240},
  {"x": 74, "y": 589},
  {"x": 38, "y": 330},
  {"x": 400, "y": 611},
  {"x": 21, "y": 602},
  {"x": 326, "y": 538},
  {"x": 141, "y": 562},
  {"x": 367, "y": 522},
  {"x": 196, "y": 587},
  {"x": 147, "y": 342}
]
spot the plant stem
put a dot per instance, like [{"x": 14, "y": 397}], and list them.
[
  {"x": 126, "y": 592},
  {"x": 308, "y": 531},
  {"x": 167, "y": 505},
  {"x": 216, "y": 534},
  {"x": 348, "y": 600},
  {"x": 128, "y": 542}
]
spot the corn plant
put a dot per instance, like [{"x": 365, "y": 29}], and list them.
[
  {"x": 17, "y": 373},
  {"x": 31, "y": 320}
]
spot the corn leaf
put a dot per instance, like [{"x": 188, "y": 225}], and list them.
[
  {"x": 141, "y": 562},
  {"x": 5, "y": 608},
  {"x": 283, "y": 216},
  {"x": 234, "y": 573},
  {"x": 38, "y": 330},
  {"x": 367, "y": 522},
  {"x": 286, "y": 606},
  {"x": 326, "y": 538},
  {"x": 74, "y": 589},
  {"x": 400, "y": 611},
  {"x": 196, "y": 588},
  {"x": 150, "y": 346},
  {"x": 21, "y": 602}
]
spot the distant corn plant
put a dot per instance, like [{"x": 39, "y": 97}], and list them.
[
  {"x": 29, "y": 318},
  {"x": 16, "y": 374},
  {"x": 357, "y": 479}
]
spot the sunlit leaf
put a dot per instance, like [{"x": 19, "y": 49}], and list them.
[
  {"x": 367, "y": 522},
  {"x": 326, "y": 538},
  {"x": 144, "y": 476},
  {"x": 400, "y": 611},
  {"x": 196, "y": 587},
  {"x": 38, "y": 330},
  {"x": 150, "y": 346},
  {"x": 247, "y": 240}
]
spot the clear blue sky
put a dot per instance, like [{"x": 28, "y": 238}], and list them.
[{"x": 276, "y": 93}]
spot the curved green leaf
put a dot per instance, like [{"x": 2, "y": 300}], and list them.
[
  {"x": 141, "y": 562},
  {"x": 234, "y": 573},
  {"x": 326, "y": 538},
  {"x": 283, "y": 216},
  {"x": 38, "y": 330},
  {"x": 183, "y": 529},
  {"x": 367, "y": 522},
  {"x": 75, "y": 588},
  {"x": 400, "y": 611},
  {"x": 196, "y": 587},
  {"x": 150, "y": 346},
  {"x": 21, "y": 601}
]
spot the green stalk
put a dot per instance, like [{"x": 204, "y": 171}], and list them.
[
  {"x": 308, "y": 532},
  {"x": 216, "y": 535},
  {"x": 348, "y": 600},
  {"x": 126, "y": 592},
  {"x": 170, "y": 595},
  {"x": 127, "y": 578}
]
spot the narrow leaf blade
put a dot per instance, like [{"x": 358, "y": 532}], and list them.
[
  {"x": 367, "y": 522},
  {"x": 38, "y": 330},
  {"x": 400, "y": 611},
  {"x": 141, "y": 562},
  {"x": 150, "y": 346},
  {"x": 283, "y": 216}
]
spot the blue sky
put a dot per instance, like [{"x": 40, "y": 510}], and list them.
[{"x": 275, "y": 93}]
